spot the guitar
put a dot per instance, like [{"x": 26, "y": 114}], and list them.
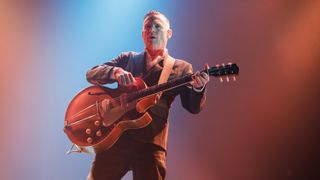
[{"x": 88, "y": 123}]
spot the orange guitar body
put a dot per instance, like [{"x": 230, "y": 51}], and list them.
[
  {"x": 89, "y": 123},
  {"x": 97, "y": 116}
]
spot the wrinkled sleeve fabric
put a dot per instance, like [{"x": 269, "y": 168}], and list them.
[
  {"x": 191, "y": 100},
  {"x": 101, "y": 74}
]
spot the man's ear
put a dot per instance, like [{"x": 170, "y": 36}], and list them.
[{"x": 169, "y": 33}]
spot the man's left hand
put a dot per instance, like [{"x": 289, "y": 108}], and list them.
[{"x": 199, "y": 80}]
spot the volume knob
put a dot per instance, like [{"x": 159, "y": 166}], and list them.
[
  {"x": 98, "y": 133},
  {"x": 97, "y": 123},
  {"x": 88, "y": 131},
  {"x": 89, "y": 140}
]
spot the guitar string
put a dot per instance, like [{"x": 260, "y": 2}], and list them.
[{"x": 153, "y": 87}]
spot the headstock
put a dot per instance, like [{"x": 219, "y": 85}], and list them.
[{"x": 224, "y": 71}]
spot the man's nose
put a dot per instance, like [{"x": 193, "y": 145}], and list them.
[{"x": 153, "y": 28}]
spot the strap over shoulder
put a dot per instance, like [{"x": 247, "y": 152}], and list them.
[{"x": 167, "y": 67}]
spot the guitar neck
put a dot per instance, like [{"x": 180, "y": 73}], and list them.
[
  {"x": 160, "y": 88},
  {"x": 218, "y": 71}
]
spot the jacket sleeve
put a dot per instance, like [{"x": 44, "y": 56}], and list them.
[
  {"x": 191, "y": 100},
  {"x": 101, "y": 74}
]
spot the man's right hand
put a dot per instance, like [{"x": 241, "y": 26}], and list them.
[{"x": 123, "y": 77}]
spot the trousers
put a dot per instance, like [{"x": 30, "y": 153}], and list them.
[{"x": 147, "y": 161}]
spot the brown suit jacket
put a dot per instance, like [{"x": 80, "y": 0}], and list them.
[{"x": 157, "y": 131}]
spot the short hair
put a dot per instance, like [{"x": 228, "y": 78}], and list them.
[{"x": 155, "y": 12}]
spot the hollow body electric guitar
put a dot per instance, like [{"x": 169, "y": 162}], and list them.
[{"x": 97, "y": 115}]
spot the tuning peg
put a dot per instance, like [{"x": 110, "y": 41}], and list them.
[
  {"x": 234, "y": 78},
  {"x": 229, "y": 63},
  {"x": 227, "y": 78},
  {"x": 221, "y": 80}
]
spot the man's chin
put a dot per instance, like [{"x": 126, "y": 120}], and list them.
[{"x": 156, "y": 48}]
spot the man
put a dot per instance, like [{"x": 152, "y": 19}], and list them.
[{"x": 144, "y": 150}]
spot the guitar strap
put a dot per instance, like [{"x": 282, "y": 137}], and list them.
[{"x": 167, "y": 67}]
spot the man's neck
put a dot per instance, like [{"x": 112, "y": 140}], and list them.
[
  {"x": 154, "y": 57},
  {"x": 153, "y": 54}
]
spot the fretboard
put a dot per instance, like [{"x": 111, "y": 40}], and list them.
[{"x": 159, "y": 87}]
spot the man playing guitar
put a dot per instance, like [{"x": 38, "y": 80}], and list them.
[{"x": 144, "y": 150}]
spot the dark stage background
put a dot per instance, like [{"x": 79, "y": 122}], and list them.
[{"x": 262, "y": 127}]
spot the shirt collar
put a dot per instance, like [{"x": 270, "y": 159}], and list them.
[{"x": 148, "y": 57}]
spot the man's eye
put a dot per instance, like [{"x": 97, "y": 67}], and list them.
[{"x": 158, "y": 26}]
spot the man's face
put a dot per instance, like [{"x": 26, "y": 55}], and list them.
[{"x": 156, "y": 32}]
